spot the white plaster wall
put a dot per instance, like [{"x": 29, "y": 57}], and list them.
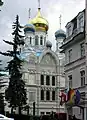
[{"x": 76, "y": 52}]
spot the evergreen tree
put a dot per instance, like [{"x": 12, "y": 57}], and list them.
[
  {"x": 1, "y": 3},
  {"x": 2, "y": 84},
  {"x": 15, "y": 93}
]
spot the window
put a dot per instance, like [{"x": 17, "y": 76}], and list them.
[
  {"x": 47, "y": 113},
  {"x": 47, "y": 80},
  {"x": 36, "y": 40},
  {"x": 81, "y": 22},
  {"x": 83, "y": 95},
  {"x": 47, "y": 95},
  {"x": 70, "y": 81},
  {"x": 41, "y": 40},
  {"x": 82, "y": 73},
  {"x": 53, "y": 95},
  {"x": 42, "y": 80},
  {"x": 42, "y": 113},
  {"x": 42, "y": 94},
  {"x": 31, "y": 96},
  {"x": 70, "y": 55},
  {"x": 82, "y": 48},
  {"x": 53, "y": 80},
  {"x": 30, "y": 40},
  {"x": 69, "y": 31},
  {"x": 44, "y": 40}
]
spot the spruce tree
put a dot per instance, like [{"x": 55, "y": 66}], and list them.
[
  {"x": 1, "y": 3},
  {"x": 15, "y": 93}
]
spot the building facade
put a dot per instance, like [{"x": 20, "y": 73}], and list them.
[
  {"x": 42, "y": 71},
  {"x": 75, "y": 63}
]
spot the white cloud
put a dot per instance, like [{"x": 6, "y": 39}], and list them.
[{"x": 51, "y": 9}]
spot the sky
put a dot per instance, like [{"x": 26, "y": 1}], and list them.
[{"x": 50, "y": 9}]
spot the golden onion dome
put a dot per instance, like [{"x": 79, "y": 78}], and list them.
[{"x": 39, "y": 22}]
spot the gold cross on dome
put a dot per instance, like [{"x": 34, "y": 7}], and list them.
[
  {"x": 29, "y": 12},
  {"x": 38, "y": 3}
]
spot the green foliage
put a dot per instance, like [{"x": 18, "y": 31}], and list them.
[
  {"x": 15, "y": 93},
  {"x": 1, "y": 3}
]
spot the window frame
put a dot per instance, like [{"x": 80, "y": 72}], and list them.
[
  {"x": 69, "y": 30},
  {"x": 42, "y": 79},
  {"x": 48, "y": 80},
  {"x": 70, "y": 55},
  {"x": 82, "y": 76},
  {"x": 82, "y": 49},
  {"x": 70, "y": 80},
  {"x": 36, "y": 40},
  {"x": 47, "y": 95},
  {"x": 53, "y": 81},
  {"x": 42, "y": 95},
  {"x": 81, "y": 20},
  {"x": 30, "y": 40},
  {"x": 53, "y": 95},
  {"x": 41, "y": 40}
]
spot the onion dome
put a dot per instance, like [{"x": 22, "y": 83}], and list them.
[
  {"x": 60, "y": 34},
  {"x": 39, "y": 22},
  {"x": 29, "y": 28},
  {"x": 48, "y": 44}
]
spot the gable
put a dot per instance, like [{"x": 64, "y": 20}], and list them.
[{"x": 48, "y": 59}]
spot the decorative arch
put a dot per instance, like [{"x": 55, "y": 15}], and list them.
[{"x": 51, "y": 53}]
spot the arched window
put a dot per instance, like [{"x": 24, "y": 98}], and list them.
[
  {"x": 30, "y": 40},
  {"x": 42, "y": 80},
  {"x": 53, "y": 80},
  {"x": 47, "y": 80},
  {"x": 53, "y": 95},
  {"x": 36, "y": 40},
  {"x": 48, "y": 95},
  {"x": 41, "y": 40},
  {"x": 42, "y": 94},
  {"x": 44, "y": 40}
]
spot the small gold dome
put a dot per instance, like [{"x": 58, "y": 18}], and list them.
[{"x": 40, "y": 22}]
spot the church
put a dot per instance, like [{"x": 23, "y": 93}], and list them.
[{"x": 43, "y": 69}]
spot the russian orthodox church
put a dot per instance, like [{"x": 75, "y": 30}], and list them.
[{"x": 42, "y": 67}]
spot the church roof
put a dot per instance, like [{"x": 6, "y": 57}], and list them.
[
  {"x": 60, "y": 33},
  {"x": 39, "y": 22},
  {"x": 29, "y": 28}
]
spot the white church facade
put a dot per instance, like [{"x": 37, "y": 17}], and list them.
[{"x": 42, "y": 71}]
